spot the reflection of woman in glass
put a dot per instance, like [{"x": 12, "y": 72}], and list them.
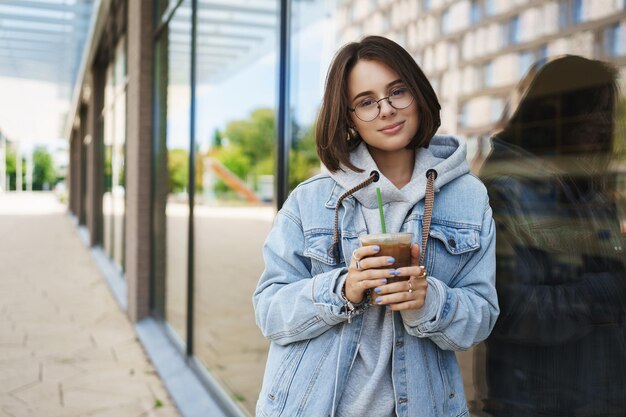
[
  {"x": 559, "y": 347},
  {"x": 335, "y": 349}
]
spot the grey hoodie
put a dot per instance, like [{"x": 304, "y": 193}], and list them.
[{"x": 370, "y": 388}]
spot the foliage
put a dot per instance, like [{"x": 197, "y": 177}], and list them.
[
  {"x": 178, "y": 169},
  {"x": 44, "y": 174},
  {"x": 236, "y": 161},
  {"x": 247, "y": 148},
  {"x": 255, "y": 136},
  {"x": 303, "y": 159}
]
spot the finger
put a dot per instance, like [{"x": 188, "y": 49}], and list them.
[
  {"x": 376, "y": 262},
  {"x": 402, "y": 286},
  {"x": 408, "y": 305},
  {"x": 415, "y": 254},
  {"x": 400, "y": 297},
  {"x": 412, "y": 271},
  {"x": 365, "y": 251}
]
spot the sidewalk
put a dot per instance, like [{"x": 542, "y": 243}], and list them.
[{"x": 66, "y": 348}]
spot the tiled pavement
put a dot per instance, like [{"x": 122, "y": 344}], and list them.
[{"x": 66, "y": 348}]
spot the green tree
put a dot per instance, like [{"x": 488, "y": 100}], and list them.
[
  {"x": 256, "y": 136},
  {"x": 12, "y": 169},
  {"x": 236, "y": 161},
  {"x": 303, "y": 159},
  {"x": 178, "y": 168},
  {"x": 246, "y": 147},
  {"x": 44, "y": 175}
]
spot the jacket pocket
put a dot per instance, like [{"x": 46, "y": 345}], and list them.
[
  {"x": 449, "y": 247},
  {"x": 273, "y": 401},
  {"x": 318, "y": 248}
]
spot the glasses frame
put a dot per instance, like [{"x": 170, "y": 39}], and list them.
[{"x": 353, "y": 109}]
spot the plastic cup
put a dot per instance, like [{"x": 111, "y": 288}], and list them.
[{"x": 396, "y": 245}]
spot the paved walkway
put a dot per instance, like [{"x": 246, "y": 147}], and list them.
[{"x": 66, "y": 349}]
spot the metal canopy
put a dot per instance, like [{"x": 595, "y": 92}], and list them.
[
  {"x": 43, "y": 41},
  {"x": 230, "y": 35}
]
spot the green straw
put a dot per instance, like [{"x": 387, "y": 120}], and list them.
[{"x": 379, "y": 197}]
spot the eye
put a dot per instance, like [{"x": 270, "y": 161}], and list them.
[
  {"x": 366, "y": 103},
  {"x": 399, "y": 92}
]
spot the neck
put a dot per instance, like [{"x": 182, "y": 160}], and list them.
[{"x": 397, "y": 166}]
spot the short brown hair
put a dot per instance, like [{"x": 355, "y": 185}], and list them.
[{"x": 334, "y": 117}]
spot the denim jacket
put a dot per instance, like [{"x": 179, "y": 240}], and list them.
[{"x": 299, "y": 308}]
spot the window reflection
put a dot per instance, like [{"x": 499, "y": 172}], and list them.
[
  {"x": 555, "y": 177},
  {"x": 114, "y": 115},
  {"x": 312, "y": 46},
  {"x": 235, "y": 146},
  {"x": 171, "y": 164}
]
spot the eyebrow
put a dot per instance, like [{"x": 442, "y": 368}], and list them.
[{"x": 370, "y": 92}]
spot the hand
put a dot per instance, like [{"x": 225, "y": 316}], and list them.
[
  {"x": 363, "y": 275},
  {"x": 405, "y": 295}
]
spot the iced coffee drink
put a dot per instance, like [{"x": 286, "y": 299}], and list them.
[{"x": 396, "y": 245}]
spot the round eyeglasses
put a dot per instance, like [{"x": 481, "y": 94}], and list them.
[{"x": 368, "y": 109}]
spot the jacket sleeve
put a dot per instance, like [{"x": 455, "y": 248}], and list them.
[
  {"x": 457, "y": 318},
  {"x": 290, "y": 304}
]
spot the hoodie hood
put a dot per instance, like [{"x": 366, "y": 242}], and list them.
[{"x": 445, "y": 154}]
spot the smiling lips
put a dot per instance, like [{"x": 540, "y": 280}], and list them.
[{"x": 392, "y": 128}]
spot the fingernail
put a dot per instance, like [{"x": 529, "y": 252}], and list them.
[
  {"x": 376, "y": 248},
  {"x": 378, "y": 300},
  {"x": 390, "y": 260},
  {"x": 394, "y": 272},
  {"x": 383, "y": 281},
  {"x": 377, "y": 290}
]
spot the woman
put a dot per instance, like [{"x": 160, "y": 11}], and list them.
[
  {"x": 559, "y": 346},
  {"x": 333, "y": 352}
]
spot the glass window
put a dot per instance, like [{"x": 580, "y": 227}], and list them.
[
  {"x": 490, "y": 7},
  {"x": 613, "y": 41},
  {"x": 463, "y": 117},
  {"x": 497, "y": 105},
  {"x": 526, "y": 59},
  {"x": 513, "y": 31},
  {"x": 556, "y": 182},
  {"x": 426, "y": 5},
  {"x": 171, "y": 169},
  {"x": 542, "y": 55},
  {"x": 476, "y": 12},
  {"x": 234, "y": 203},
  {"x": 487, "y": 69},
  {"x": 577, "y": 11},
  {"x": 445, "y": 21},
  {"x": 564, "y": 13},
  {"x": 114, "y": 145}
]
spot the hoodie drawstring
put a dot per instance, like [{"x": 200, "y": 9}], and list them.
[
  {"x": 431, "y": 174},
  {"x": 334, "y": 248}
]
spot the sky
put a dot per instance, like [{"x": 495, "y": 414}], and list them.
[
  {"x": 31, "y": 111},
  {"x": 255, "y": 86}
]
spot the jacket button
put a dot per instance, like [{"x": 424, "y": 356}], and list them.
[
  {"x": 402, "y": 400},
  {"x": 452, "y": 243},
  {"x": 451, "y": 396},
  {"x": 399, "y": 343}
]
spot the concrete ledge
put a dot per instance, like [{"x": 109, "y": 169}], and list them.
[
  {"x": 181, "y": 382},
  {"x": 194, "y": 390},
  {"x": 112, "y": 276}
]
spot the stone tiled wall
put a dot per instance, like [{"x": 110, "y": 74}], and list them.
[{"x": 139, "y": 157}]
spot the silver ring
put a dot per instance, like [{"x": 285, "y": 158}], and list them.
[
  {"x": 354, "y": 256},
  {"x": 410, "y": 286},
  {"x": 358, "y": 264}
]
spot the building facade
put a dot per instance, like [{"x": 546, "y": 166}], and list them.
[{"x": 192, "y": 120}]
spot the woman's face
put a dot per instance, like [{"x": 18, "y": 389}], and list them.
[{"x": 393, "y": 129}]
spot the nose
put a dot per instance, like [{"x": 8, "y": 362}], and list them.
[{"x": 386, "y": 109}]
